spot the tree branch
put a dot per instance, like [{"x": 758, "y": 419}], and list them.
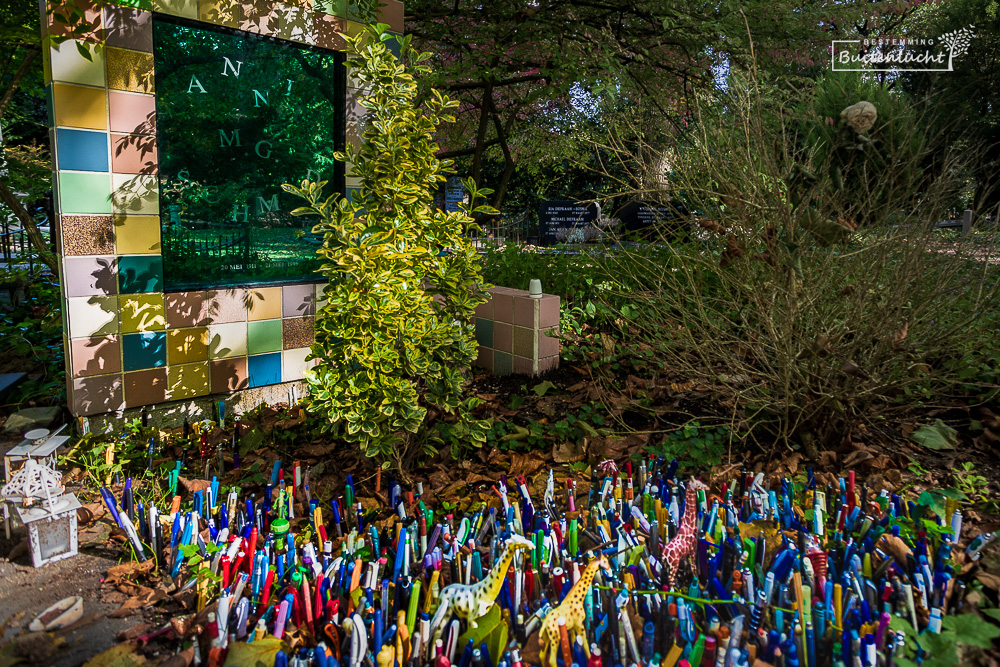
[{"x": 11, "y": 201}]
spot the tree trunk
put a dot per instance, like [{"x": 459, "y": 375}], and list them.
[{"x": 11, "y": 201}]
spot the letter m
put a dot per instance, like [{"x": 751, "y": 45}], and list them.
[{"x": 228, "y": 141}]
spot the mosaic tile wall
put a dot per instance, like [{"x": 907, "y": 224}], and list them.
[
  {"x": 516, "y": 332},
  {"x": 128, "y": 343}
]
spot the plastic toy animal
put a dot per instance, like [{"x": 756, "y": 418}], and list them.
[
  {"x": 470, "y": 601},
  {"x": 571, "y": 609},
  {"x": 683, "y": 544}
]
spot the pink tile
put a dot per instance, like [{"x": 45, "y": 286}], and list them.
[
  {"x": 392, "y": 13},
  {"x": 326, "y": 31},
  {"x": 186, "y": 309},
  {"x": 132, "y": 113},
  {"x": 298, "y": 300},
  {"x": 145, "y": 387},
  {"x": 133, "y": 154},
  {"x": 227, "y": 306},
  {"x": 546, "y": 364},
  {"x": 503, "y": 307},
  {"x": 90, "y": 276},
  {"x": 523, "y": 366},
  {"x": 524, "y": 311},
  {"x": 96, "y": 356},
  {"x": 90, "y": 25},
  {"x": 548, "y": 345},
  {"x": 485, "y": 310},
  {"x": 96, "y": 395},
  {"x": 503, "y": 337},
  {"x": 229, "y": 375},
  {"x": 548, "y": 311},
  {"x": 129, "y": 28},
  {"x": 485, "y": 358}
]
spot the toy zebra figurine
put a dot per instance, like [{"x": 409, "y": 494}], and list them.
[{"x": 470, "y": 601}]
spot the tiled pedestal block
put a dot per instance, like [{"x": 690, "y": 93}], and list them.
[{"x": 516, "y": 332}]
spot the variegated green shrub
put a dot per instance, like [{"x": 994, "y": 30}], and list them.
[{"x": 396, "y": 333}]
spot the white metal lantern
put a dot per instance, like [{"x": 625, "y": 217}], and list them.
[{"x": 36, "y": 492}]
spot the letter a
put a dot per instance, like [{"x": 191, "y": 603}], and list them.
[{"x": 196, "y": 83}]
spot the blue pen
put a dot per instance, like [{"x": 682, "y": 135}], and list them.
[
  {"x": 215, "y": 491},
  {"x": 274, "y": 473},
  {"x": 109, "y": 501},
  {"x": 185, "y": 539}
]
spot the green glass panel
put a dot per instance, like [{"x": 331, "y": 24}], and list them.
[{"x": 238, "y": 115}]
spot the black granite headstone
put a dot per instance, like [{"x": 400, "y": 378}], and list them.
[
  {"x": 638, "y": 216},
  {"x": 558, "y": 217}
]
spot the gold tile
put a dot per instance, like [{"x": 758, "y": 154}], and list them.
[
  {"x": 187, "y": 381},
  {"x": 141, "y": 312},
  {"x": 130, "y": 70},
  {"x": 137, "y": 234},
  {"x": 187, "y": 345},
  {"x": 80, "y": 106}
]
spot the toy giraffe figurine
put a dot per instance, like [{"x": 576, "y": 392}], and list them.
[
  {"x": 570, "y": 609},
  {"x": 470, "y": 601},
  {"x": 682, "y": 546}
]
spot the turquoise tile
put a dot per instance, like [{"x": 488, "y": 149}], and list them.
[
  {"x": 84, "y": 193},
  {"x": 264, "y": 369},
  {"x": 484, "y": 332},
  {"x": 140, "y": 273},
  {"x": 82, "y": 150},
  {"x": 144, "y": 350},
  {"x": 264, "y": 336}
]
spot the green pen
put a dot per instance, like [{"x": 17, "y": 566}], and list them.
[
  {"x": 697, "y": 650},
  {"x": 411, "y": 612},
  {"x": 571, "y": 544},
  {"x": 536, "y": 553}
]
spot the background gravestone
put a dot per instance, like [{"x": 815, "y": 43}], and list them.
[{"x": 558, "y": 217}]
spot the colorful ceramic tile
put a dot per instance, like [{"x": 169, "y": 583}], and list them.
[
  {"x": 484, "y": 358},
  {"x": 135, "y": 194},
  {"x": 188, "y": 381},
  {"x": 89, "y": 276},
  {"x": 298, "y": 300},
  {"x": 96, "y": 395},
  {"x": 92, "y": 316},
  {"x": 140, "y": 273},
  {"x": 229, "y": 305},
  {"x": 219, "y": 12},
  {"x": 503, "y": 306},
  {"x": 129, "y": 28},
  {"x": 294, "y": 364},
  {"x": 79, "y": 106},
  {"x": 263, "y": 336},
  {"x": 485, "y": 310},
  {"x": 353, "y": 28},
  {"x": 137, "y": 234},
  {"x": 187, "y": 309},
  {"x": 141, "y": 312},
  {"x": 145, "y": 387},
  {"x": 264, "y": 369},
  {"x": 297, "y": 332},
  {"x": 321, "y": 299},
  {"x": 394, "y": 46},
  {"x": 525, "y": 309},
  {"x": 326, "y": 31},
  {"x": 484, "y": 332},
  {"x": 144, "y": 5},
  {"x": 95, "y": 356},
  {"x": 78, "y": 19},
  {"x": 144, "y": 350},
  {"x": 185, "y": 8},
  {"x": 81, "y": 150},
  {"x": 503, "y": 337},
  {"x": 227, "y": 340},
  {"x": 524, "y": 342},
  {"x": 548, "y": 342},
  {"x": 87, "y": 234},
  {"x": 69, "y": 65},
  {"x": 84, "y": 193},
  {"x": 548, "y": 311},
  {"x": 133, "y": 154},
  {"x": 522, "y": 366},
  {"x": 392, "y": 13},
  {"x": 131, "y": 113},
  {"x": 546, "y": 364},
  {"x": 228, "y": 375},
  {"x": 291, "y": 22},
  {"x": 503, "y": 363},
  {"x": 331, "y": 7},
  {"x": 130, "y": 70},
  {"x": 187, "y": 345},
  {"x": 263, "y": 303}
]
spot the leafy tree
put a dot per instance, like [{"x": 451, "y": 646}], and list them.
[{"x": 395, "y": 335}]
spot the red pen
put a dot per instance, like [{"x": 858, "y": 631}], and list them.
[
  {"x": 307, "y": 601},
  {"x": 224, "y": 569},
  {"x": 236, "y": 564},
  {"x": 850, "y": 490},
  {"x": 318, "y": 602},
  {"x": 321, "y": 529},
  {"x": 267, "y": 587},
  {"x": 252, "y": 547}
]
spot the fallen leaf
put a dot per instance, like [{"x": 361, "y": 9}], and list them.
[
  {"x": 260, "y": 653},
  {"x": 122, "y": 655},
  {"x": 937, "y": 436}
]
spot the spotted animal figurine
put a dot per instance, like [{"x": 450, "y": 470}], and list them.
[
  {"x": 470, "y": 601},
  {"x": 571, "y": 609},
  {"x": 683, "y": 544}
]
